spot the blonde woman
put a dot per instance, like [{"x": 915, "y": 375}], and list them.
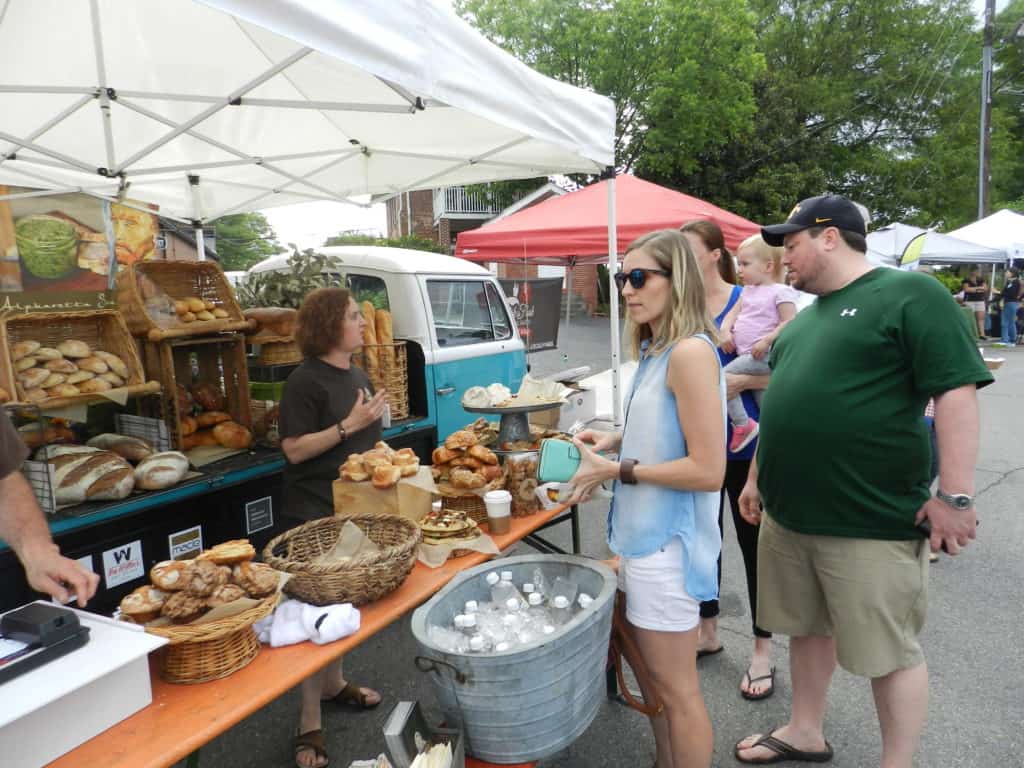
[{"x": 663, "y": 520}]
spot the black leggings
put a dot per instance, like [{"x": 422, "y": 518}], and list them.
[{"x": 746, "y": 535}]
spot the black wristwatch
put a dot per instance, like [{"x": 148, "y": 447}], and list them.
[
  {"x": 342, "y": 432},
  {"x": 958, "y": 501},
  {"x": 626, "y": 474}
]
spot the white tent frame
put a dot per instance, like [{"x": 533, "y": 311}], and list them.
[{"x": 125, "y": 170}]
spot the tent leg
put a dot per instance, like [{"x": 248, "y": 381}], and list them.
[
  {"x": 568, "y": 296},
  {"x": 197, "y": 217},
  {"x": 613, "y": 295}
]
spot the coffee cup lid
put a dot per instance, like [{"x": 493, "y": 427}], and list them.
[{"x": 497, "y": 496}]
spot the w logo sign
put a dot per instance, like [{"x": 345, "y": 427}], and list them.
[{"x": 848, "y": 312}]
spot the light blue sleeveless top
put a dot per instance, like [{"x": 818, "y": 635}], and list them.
[{"x": 644, "y": 517}]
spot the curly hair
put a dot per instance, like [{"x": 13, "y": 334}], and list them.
[{"x": 319, "y": 326}]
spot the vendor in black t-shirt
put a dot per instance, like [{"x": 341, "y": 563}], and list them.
[{"x": 328, "y": 411}]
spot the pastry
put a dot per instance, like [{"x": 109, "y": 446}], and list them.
[
  {"x": 354, "y": 470},
  {"x": 482, "y": 453},
  {"x": 385, "y": 476},
  {"x": 35, "y": 395},
  {"x": 47, "y": 353},
  {"x": 210, "y": 418},
  {"x": 63, "y": 390},
  {"x": 196, "y": 305},
  {"x": 385, "y": 449},
  {"x": 60, "y": 365},
  {"x": 203, "y": 577},
  {"x": 130, "y": 448},
  {"x": 170, "y": 575},
  {"x": 180, "y": 307},
  {"x": 230, "y": 552},
  {"x": 476, "y": 397},
  {"x": 33, "y": 378},
  {"x": 21, "y": 349},
  {"x": 53, "y": 380},
  {"x": 205, "y": 315},
  {"x": 161, "y": 470},
  {"x": 465, "y": 479},
  {"x": 25, "y": 363},
  {"x": 188, "y": 425},
  {"x": 94, "y": 385},
  {"x": 224, "y": 594},
  {"x": 112, "y": 379},
  {"x": 183, "y": 607},
  {"x": 375, "y": 458},
  {"x": 220, "y": 314},
  {"x": 467, "y": 461},
  {"x": 232, "y": 435},
  {"x": 443, "y": 455},
  {"x": 79, "y": 376},
  {"x": 94, "y": 364},
  {"x": 208, "y": 396},
  {"x": 116, "y": 364},
  {"x": 405, "y": 456},
  {"x": 461, "y": 439},
  {"x": 257, "y": 579},
  {"x": 188, "y": 317},
  {"x": 143, "y": 604},
  {"x": 491, "y": 472},
  {"x": 74, "y": 348}
]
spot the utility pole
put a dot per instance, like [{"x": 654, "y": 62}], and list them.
[{"x": 985, "y": 144}]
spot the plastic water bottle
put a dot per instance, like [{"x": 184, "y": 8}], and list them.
[
  {"x": 561, "y": 610},
  {"x": 477, "y": 644},
  {"x": 540, "y": 584},
  {"x": 565, "y": 588},
  {"x": 528, "y": 589},
  {"x": 469, "y": 625},
  {"x": 471, "y": 607}
]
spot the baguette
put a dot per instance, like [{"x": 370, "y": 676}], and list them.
[
  {"x": 272, "y": 321},
  {"x": 371, "y": 354},
  {"x": 385, "y": 338}
]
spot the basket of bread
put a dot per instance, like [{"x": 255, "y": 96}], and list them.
[
  {"x": 71, "y": 358},
  {"x": 360, "y": 579},
  {"x": 206, "y": 608},
  {"x": 384, "y": 360},
  {"x": 169, "y": 299},
  {"x": 464, "y": 470}
]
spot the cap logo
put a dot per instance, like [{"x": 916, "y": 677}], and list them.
[
  {"x": 820, "y": 221},
  {"x": 794, "y": 212}
]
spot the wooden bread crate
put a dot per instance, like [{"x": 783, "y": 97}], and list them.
[
  {"x": 219, "y": 360},
  {"x": 102, "y": 330},
  {"x": 177, "y": 280}
]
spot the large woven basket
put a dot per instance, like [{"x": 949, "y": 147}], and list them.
[
  {"x": 101, "y": 329},
  {"x": 179, "y": 280},
  {"x": 392, "y": 374},
  {"x": 277, "y": 350},
  {"x": 198, "y": 653},
  {"x": 360, "y": 580}
]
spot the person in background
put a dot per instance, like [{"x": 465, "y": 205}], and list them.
[
  {"x": 328, "y": 411},
  {"x": 721, "y": 294},
  {"x": 763, "y": 310},
  {"x": 1011, "y": 303},
  {"x": 975, "y": 291},
  {"x": 23, "y": 526},
  {"x": 842, "y": 561},
  {"x": 670, "y": 468}
]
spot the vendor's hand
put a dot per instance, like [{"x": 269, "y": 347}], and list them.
[
  {"x": 727, "y": 344},
  {"x": 760, "y": 348},
  {"x": 952, "y": 529},
  {"x": 365, "y": 412},
  {"x": 750, "y": 503},
  {"x": 592, "y": 472},
  {"x": 50, "y": 572},
  {"x": 600, "y": 441}
]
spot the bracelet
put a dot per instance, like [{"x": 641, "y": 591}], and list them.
[{"x": 342, "y": 432}]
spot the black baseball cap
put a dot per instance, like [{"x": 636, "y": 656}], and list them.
[{"x": 821, "y": 211}]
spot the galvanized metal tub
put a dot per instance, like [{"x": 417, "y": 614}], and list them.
[{"x": 522, "y": 705}]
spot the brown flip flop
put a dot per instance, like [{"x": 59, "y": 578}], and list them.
[
  {"x": 751, "y": 680},
  {"x": 783, "y": 751},
  {"x": 312, "y": 741},
  {"x": 352, "y": 696}
]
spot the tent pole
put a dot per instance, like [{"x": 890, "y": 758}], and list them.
[
  {"x": 613, "y": 299},
  {"x": 568, "y": 296},
  {"x": 197, "y": 220}
]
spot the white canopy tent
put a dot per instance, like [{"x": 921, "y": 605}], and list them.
[
  {"x": 222, "y": 106},
  {"x": 1003, "y": 229},
  {"x": 887, "y": 245}
]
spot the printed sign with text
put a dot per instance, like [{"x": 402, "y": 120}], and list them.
[{"x": 123, "y": 564}]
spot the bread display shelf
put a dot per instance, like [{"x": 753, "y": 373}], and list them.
[
  {"x": 178, "y": 280},
  {"x": 103, "y": 330},
  {"x": 393, "y": 373}
]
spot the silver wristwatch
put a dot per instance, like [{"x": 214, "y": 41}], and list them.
[{"x": 958, "y": 501}]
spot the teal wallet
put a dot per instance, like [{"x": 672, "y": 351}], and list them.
[{"x": 558, "y": 462}]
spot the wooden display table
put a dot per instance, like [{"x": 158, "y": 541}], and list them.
[{"x": 182, "y": 718}]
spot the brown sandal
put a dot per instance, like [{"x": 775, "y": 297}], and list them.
[
  {"x": 352, "y": 696},
  {"x": 312, "y": 741}
]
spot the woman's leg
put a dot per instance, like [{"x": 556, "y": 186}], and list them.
[
  {"x": 707, "y": 634},
  {"x": 685, "y": 722},
  {"x": 309, "y": 716},
  {"x": 746, "y": 536}
]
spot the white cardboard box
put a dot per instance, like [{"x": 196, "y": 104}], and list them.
[
  {"x": 51, "y": 710},
  {"x": 580, "y": 406}
]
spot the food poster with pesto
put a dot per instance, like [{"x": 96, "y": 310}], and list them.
[{"x": 57, "y": 252}]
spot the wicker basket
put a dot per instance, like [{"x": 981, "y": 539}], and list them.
[
  {"x": 392, "y": 377},
  {"x": 277, "y": 350},
  {"x": 358, "y": 581},
  {"x": 179, "y": 280},
  {"x": 470, "y": 502},
  {"x": 217, "y": 359},
  {"x": 100, "y": 329},
  {"x": 198, "y": 653}
]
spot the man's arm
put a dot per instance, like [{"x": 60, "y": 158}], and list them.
[
  {"x": 24, "y": 528},
  {"x": 957, "y": 433},
  {"x": 738, "y": 382}
]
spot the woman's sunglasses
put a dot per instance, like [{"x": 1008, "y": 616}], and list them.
[{"x": 637, "y": 277}]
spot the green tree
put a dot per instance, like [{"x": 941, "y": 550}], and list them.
[
  {"x": 245, "y": 239},
  {"x": 413, "y": 242}
]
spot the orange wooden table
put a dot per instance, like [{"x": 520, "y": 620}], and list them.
[{"x": 182, "y": 718}]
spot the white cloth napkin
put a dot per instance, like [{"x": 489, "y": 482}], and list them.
[{"x": 295, "y": 622}]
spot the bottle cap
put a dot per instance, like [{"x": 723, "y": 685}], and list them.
[
  {"x": 561, "y": 602},
  {"x": 469, "y": 621},
  {"x": 460, "y": 621},
  {"x": 528, "y": 588},
  {"x": 492, "y": 578},
  {"x": 506, "y": 575},
  {"x": 472, "y": 606},
  {"x": 501, "y": 647},
  {"x": 476, "y": 643},
  {"x": 535, "y": 598},
  {"x": 585, "y": 600},
  {"x": 548, "y": 629},
  {"x": 512, "y": 604}
]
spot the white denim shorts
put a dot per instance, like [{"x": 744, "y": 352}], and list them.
[{"x": 655, "y": 587}]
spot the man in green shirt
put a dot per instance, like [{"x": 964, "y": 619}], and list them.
[{"x": 842, "y": 474}]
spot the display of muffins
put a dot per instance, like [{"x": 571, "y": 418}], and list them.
[{"x": 184, "y": 590}]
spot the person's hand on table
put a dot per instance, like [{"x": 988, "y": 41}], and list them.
[
  {"x": 594, "y": 470},
  {"x": 365, "y": 411},
  {"x": 49, "y": 571}
]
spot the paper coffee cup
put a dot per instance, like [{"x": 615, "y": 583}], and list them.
[{"x": 499, "y": 511}]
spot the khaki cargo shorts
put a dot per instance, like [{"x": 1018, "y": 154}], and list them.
[{"x": 870, "y": 595}]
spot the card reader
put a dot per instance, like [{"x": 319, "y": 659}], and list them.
[{"x": 35, "y": 634}]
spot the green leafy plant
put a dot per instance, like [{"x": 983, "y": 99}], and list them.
[{"x": 304, "y": 272}]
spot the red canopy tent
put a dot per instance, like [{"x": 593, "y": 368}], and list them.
[{"x": 573, "y": 228}]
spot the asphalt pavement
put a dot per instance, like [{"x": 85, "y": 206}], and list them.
[{"x": 973, "y": 639}]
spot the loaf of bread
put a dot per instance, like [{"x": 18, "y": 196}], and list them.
[
  {"x": 230, "y": 434},
  {"x": 202, "y": 437},
  {"x": 94, "y": 476},
  {"x": 385, "y": 337},
  {"x": 272, "y": 321},
  {"x": 371, "y": 354},
  {"x": 211, "y": 418},
  {"x": 133, "y": 449},
  {"x": 188, "y": 425},
  {"x": 161, "y": 470},
  {"x": 385, "y": 476}
]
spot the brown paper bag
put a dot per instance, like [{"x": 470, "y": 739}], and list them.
[{"x": 410, "y": 498}]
